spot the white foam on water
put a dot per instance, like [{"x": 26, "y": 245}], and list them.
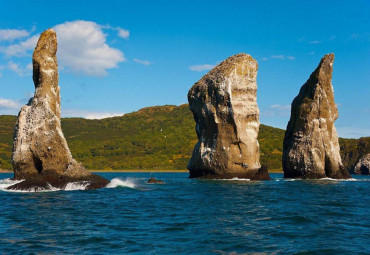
[
  {"x": 234, "y": 179},
  {"x": 117, "y": 182},
  {"x": 76, "y": 186},
  {"x": 326, "y": 179},
  {"x": 6, "y": 183}
]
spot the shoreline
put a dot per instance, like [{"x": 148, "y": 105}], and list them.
[{"x": 274, "y": 171}]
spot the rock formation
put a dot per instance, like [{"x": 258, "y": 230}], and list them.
[
  {"x": 224, "y": 105},
  {"x": 40, "y": 152},
  {"x": 153, "y": 180},
  {"x": 363, "y": 165},
  {"x": 311, "y": 148}
]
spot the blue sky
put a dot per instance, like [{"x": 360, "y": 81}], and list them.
[{"x": 116, "y": 57}]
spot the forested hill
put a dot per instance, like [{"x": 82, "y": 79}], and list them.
[{"x": 160, "y": 137}]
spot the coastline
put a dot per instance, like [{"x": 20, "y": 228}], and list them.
[
  {"x": 157, "y": 171},
  {"x": 141, "y": 171}
]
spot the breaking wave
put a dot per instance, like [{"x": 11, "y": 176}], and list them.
[{"x": 117, "y": 182}]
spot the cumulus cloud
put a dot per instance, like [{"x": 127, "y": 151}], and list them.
[
  {"x": 20, "y": 49},
  {"x": 89, "y": 114},
  {"x": 12, "y": 34},
  {"x": 201, "y": 68},
  {"x": 83, "y": 48},
  {"x": 143, "y": 62}
]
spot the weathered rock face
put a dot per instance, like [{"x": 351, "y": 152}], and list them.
[
  {"x": 311, "y": 148},
  {"x": 40, "y": 154},
  {"x": 363, "y": 165},
  {"x": 224, "y": 105}
]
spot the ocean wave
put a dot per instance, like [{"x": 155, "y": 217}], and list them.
[{"x": 117, "y": 182}]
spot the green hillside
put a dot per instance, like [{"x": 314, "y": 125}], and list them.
[{"x": 160, "y": 137}]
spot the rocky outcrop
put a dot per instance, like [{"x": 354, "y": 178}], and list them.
[
  {"x": 224, "y": 105},
  {"x": 311, "y": 148},
  {"x": 40, "y": 152},
  {"x": 153, "y": 180},
  {"x": 363, "y": 165}
]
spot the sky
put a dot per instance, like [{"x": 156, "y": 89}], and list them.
[{"x": 117, "y": 57}]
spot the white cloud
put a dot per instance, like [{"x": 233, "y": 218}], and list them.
[
  {"x": 83, "y": 48},
  {"x": 18, "y": 69},
  {"x": 282, "y": 57},
  {"x": 88, "y": 114},
  {"x": 200, "y": 68},
  {"x": 9, "y": 104},
  {"x": 123, "y": 33},
  {"x": 12, "y": 34},
  {"x": 20, "y": 49},
  {"x": 143, "y": 62},
  {"x": 311, "y": 53},
  {"x": 314, "y": 42},
  {"x": 265, "y": 58}
]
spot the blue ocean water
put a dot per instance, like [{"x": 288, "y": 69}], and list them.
[{"x": 187, "y": 216}]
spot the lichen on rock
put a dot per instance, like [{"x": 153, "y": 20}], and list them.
[
  {"x": 224, "y": 105},
  {"x": 40, "y": 152},
  {"x": 311, "y": 148}
]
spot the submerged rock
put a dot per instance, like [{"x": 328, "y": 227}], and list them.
[
  {"x": 153, "y": 180},
  {"x": 40, "y": 152},
  {"x": 224, "y": 105},
  {"x": 311, "y": 148},
  {"x": 363, "y": 165}
]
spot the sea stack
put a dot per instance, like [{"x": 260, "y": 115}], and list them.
[
  {"x": 363, "y": 165},
  {"x": 41, "y": 156},
  {"x": 224, "y": 105},
  {"x": 311, "y": 148}
]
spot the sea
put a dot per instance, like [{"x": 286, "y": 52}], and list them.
[{"x": 189, "y": 216}]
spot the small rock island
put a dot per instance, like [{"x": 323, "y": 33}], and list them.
[
  {"x": 224, "y": 105},
  {"x": 363, "y": 165},
  {"x": 310, "y": 148},
  {"x": 41, "y": 157}
]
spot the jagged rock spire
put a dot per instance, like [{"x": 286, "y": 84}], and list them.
[{"x": 311, "y": 148}]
